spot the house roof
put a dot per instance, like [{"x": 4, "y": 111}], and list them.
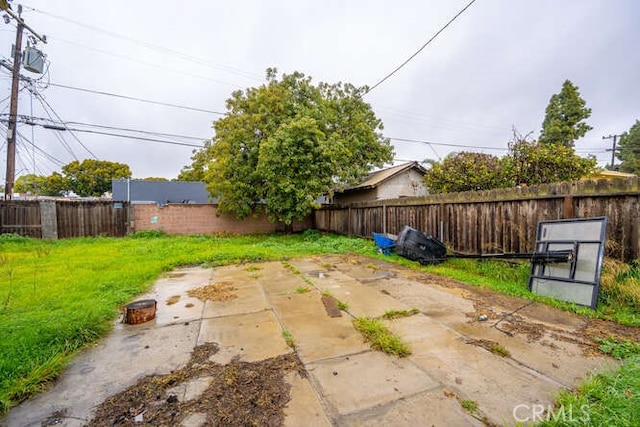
[{"x": 378, "y": 177}]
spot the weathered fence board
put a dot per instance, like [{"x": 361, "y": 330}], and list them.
[
  {"x": 499, "y": 220},
  {"x": 20, "y": 217},
  {"x": 37, "y": 218}
]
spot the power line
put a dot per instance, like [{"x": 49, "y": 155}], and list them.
[
  {"x": 44, "y": 102},
  {"x": 446, "y": 144},
  {"x": 55, "y": 125},
  {"x": 421, "y": 48},
  {"x": 162, "y": 67},
  {"x": 192, "y": 58},
  {"x": 63, "y": 128},
  {"x": 139, "y": 138},
  {"x": 41, "y": 152},
  {"x": 133, "y": 98},
  {"x": 5, "y": 64},
  {"x": 195, "y": 138},
  {"x": 440, "y": 122}
]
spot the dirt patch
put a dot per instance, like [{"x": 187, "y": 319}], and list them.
[
  {"x": 504, "y": 310},
  {"x": 599, "y": 328},
  {"x": 239, "y": 393},
  {"x": 517, "y": 325},
  {"x": 219, "y": 291},
  {"x": 331, "y": 306},
  {"x": 172, "y": 299}
]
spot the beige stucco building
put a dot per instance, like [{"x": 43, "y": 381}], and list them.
[{"x": 396, "y": 182}]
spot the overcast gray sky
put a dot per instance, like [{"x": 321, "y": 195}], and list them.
[{"x": 495, "y": 67}]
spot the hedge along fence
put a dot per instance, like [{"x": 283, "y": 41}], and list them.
[{"x": 499, "y": 220}]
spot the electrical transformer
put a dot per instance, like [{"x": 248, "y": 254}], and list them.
[{"x": 33, "y": 60}]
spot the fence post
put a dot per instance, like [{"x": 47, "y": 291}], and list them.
[
  {"x": 48, "y": 220},
  {"x": 568, "y": 207},
  {"x": 442, "y": 222},
  {"x": 384, "y": 218}
]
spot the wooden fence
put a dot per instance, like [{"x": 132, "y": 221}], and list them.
[
  {"x": 62, "y": 218},
  {"x": 499, "y": 220}
]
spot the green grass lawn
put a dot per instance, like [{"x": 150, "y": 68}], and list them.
[{"x": 58, "y": 296}]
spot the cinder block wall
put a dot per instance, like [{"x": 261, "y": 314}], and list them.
[{"x": 186, "y": 219}]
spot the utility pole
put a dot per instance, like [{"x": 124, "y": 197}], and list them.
[
  {"x": 13, "y": 113},
  {"x": 13, "y": 110},
  {"x": 612, "y": 149}
]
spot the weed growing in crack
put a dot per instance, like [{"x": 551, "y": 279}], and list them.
[
  {"x": 288, "y": 338},
  {"x": 342, "y": 305},
  {"x": 469, "y": 405},
  {"x": 396, "y": 314},
  {"x": 496, "y": 348},
  {"x": 380, "y": 338}
]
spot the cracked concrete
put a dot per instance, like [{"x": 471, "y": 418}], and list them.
[{"x": 348, "y": 383}]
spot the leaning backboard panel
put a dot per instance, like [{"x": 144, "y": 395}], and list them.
[{"x": 578, "y": 280}]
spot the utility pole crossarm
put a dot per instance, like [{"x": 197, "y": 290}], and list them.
[{"x": 19, "y": 19}]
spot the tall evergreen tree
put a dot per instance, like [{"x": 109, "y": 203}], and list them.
[
  {"x": 564, "y": 120},
  {"x": 628, "y": 150}
]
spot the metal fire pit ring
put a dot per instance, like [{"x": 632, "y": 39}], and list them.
[{"x": 139, "y": 311}]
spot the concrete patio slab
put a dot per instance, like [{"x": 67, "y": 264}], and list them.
[
  {"x": 362, "y": 299},
  {"x": 248, "y": 297},
  {"x": 473, "y": 371},
  {"x": 277, "y": 280},
  {"x": 304, "y": 408},
  {"x": 446, "y": 305},
  {"x": 250, "y": 337},
  {"x": 358, "y": 382},
  {"x": 429, "y": 408},
  {"x": 127, "y": 354},
  {"x": 545, "y": 355},
  {"x": 317, "y": 336},
  {"x": 348, "y": 383}
]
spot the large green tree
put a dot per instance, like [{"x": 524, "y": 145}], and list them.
[
  {"x": 93, "y": 177},
  {"x": 41, "y": 185},
  {"x": 564, "y": 120},
  {"x": 628, "y": 150},
  {"x": 465, "y": 171},
  {"x": 199, "y": 164},
  {"x": 284, "y": 144},
  {"x": 30, "y": 183}
]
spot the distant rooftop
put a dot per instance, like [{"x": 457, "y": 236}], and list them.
[{"x": 378, "y": 177}]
